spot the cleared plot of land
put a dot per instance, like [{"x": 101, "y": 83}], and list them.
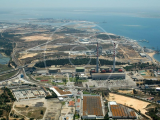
[
  {"x": 136, "y": 104},
  {"x": 30, "y": 108},
  {"x": 28, "y": 55},
  {"x": 32, "y": 112},
  {"x": 126, "y": 91},
  {"x": 53, "y": 109},
  {"x": 37, "y": 38}
]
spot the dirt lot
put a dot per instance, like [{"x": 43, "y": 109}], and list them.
[
  {"x": 50, "y": 107},
  {"x": 28, "y": 55},
  {"x": 37, "y": 38},
  {"x": 137, "y": 104},
  {"x": 53, "y": 109},
  {"x": 126, "y": 91}
]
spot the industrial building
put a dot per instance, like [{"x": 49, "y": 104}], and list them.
[
  {"x": 53, "y": 70},
  {"x": 118, "y": 111},
  {"x": 61, "y": 93},
  {"x": 142, "y": 54},
  {"x": 29, "y": 93},
  {"x": 92, "y": 107},
  {"x": 106, "y": 68},
  {"x": 80, "y": 69},
  {"x": 104, "y": 76}
]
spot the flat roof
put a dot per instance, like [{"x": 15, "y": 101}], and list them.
[
  {"x": 92, "y": 106},
  {"x": 112, "y": 103},
  {"x": 142, "y": 53},
  {"x": 80, "y": 68},
  {"x": 60, "y": 92},
  {"x": 122, "y": 111},
  {"x": 53, "y": 68},
  {"x": 107, "y": 73},
  {"x": 104, "y": 67}
]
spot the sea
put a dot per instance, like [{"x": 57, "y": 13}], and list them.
[
  {"x": 4, "y": 59},
  {"x": 136, "y": 24}
]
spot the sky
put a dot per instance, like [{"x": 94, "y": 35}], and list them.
[{"x": 136, "y": 4}]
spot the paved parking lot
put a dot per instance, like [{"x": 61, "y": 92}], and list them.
[{"x": 128, "y": 82}]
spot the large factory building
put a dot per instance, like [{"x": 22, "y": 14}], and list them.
[
  {"x": 104, "y": 76},
  {"x": 79, "y": 69}
]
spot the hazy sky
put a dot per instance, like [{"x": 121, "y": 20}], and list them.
[{"x": 144, "y": 4}]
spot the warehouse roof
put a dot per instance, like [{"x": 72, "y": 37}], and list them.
[
  {"x": 121, "y": 111},
  {"x": 92, "y": 105},
  {"x": 80, "y": 68},
  {"x": 60, "y": 92},
  {"x": 108, "y": 73},
  {"x": 104, "y": 67},
  {"x": 54, "y": 68}
]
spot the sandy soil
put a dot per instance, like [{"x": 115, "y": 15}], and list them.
[
  {"x": 37, "y": 38},
  {"x": 28, "y": 55},
  {"x": 126, "y": 91},
  {"x": 137, "y": 104},
  {"x": 151, "y": 55}
]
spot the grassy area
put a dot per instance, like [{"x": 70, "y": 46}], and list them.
[
  {"x": 32, "y": 112},
  {"x": 86, "y": 92},
  {"x": 63, "y": 103},
  {"x": 60, "y": 83},
  {"x": 6, "y": 76},
  {"x": 74, "y": 80},
  {"x": 4, "y": 68},
  {"x": 44, "y": 77}
]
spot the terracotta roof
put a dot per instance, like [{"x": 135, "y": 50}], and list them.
[
  {"x": 78, "y": 100},
  {"x": 92, "y": 106},
  {"x": 71, "y": 103},
  {"x": 121, "y": 111},
  {"x": 61, "y": 91}
]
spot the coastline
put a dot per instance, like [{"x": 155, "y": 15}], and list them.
[
  {"x": 6, "y": 58},
  {"x": 3, "y": 54}
]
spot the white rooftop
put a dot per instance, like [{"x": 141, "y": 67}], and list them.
[{"x": 112, "y": 103}]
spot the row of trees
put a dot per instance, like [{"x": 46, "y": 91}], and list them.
[
  {"x": 81, "y": 61},
  {"x": 6, "y": 44},
  {"x": 140, "y": 66}
]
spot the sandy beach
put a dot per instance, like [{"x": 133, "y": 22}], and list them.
[{"x": 152, "y": 56}]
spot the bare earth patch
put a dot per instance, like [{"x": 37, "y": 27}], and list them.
[
  {"x": 28, "y": 55},
  {"x": 37, "y": 38}
]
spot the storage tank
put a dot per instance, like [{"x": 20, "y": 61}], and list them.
[
  {"x": 120, "y": 70},
  {"x": 22, "y": 76},
  {"x": 110, "y": 71},
  {"x": 103, "y": 71},
  {"x": 93, "y": 71}
]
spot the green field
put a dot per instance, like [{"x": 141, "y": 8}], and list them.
[
  {"x": 4, "y": 68},
  {"x": 74, "y": 80},
  {"x": 6, "y": 76}
]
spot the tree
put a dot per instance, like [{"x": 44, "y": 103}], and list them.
[
  {"x": 77, "y": 77},
  {"x": 134, "y": 91},
  {"x": 41, "y": 112},
  {"x": 64, "y": 80}
]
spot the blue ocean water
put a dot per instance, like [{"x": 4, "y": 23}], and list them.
[
  {"x": 4, "y": 60},
  {"x": 134, "y": 26}
]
